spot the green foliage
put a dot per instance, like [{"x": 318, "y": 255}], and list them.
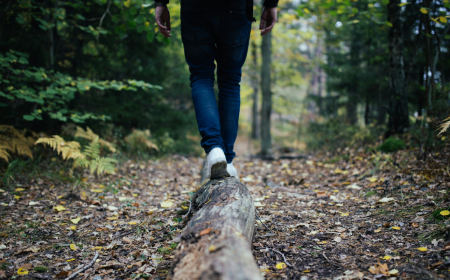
[
  {"x": 40, "y": 268},
  {"x": 437, "y": 215},
  {"x": 392, "y": 144},
  {"x": 52, "y": 91}
]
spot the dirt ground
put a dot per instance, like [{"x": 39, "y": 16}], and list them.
[{"x": 351, "y": 214}]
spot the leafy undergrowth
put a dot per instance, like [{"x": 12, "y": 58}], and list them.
[{"x": 347, "y": 215}]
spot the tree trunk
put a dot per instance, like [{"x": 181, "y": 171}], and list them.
[
  {"x": 352, "y": 102},
  {"x": 254, "y": 84},
  {"x": 216, "y": 243},
  {"x": 398, "y": 105},
  {"x": 266, "y": 110}
]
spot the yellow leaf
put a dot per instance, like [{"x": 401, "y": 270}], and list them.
[
  {"x": 101, "y": 186},
  {"x": 337, "y": 171},
  {"x": 373, "y": 179},
  {"x": 322, "y": 242},
  {"x": 377, "y": 230},
  {"x": 52, "y": 186},
  {"x": 22, "y": 271},
  {"x": 422, "y": 249},
  {"x": 59, "y": 208},
  {"x": 96, "y": 248},
  {"x": 344, "y": 214},
  {"x": 132, "y": 223},
  {"x": 73, "y": 227},
  {"x": 87, "y": 87},
  {"x": 403, "y": 4},
  {"x": 396, "y": 228},
  {"x": 76, "y": 221},
  {"x": 335, "y": 190},
  {"x": 306, "y": 271},
  {"x": 70, "y": 260},
  {"x": 96, "y": 190},
  {"x": 73, "y": 247},
  {"x": 16, "y": 196},
  {"x": 112, "y": 218},
  {"x": 445, "y": 213},
  {"x": 281, "y": 265},
  {"x": 443, "y": 138},
  {"x": 166, "y": 204},
  {"x": 386, "y": 257},
  {"x": 20, "y": 189},
  {"x": 306, "y": 11},
  {"x": 423, "y": 11}
]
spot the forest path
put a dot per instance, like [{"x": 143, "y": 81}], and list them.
[{"x": 330, "y": 216}]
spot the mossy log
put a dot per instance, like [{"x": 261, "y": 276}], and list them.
[{"x": 216, "y": 243}]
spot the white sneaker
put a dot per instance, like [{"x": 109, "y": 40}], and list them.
[
  {"x": 232, "y": 170},
  {"x": 217, "y": 164}
]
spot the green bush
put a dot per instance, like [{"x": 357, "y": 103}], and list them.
[{"x": 392, "y": 144}]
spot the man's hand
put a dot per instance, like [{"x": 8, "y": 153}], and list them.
[
  {"x": 268, "y": 19},
  {"x": 162, "y": 17}
]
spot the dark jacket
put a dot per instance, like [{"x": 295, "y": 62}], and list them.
[{"x": 248, "y": 8}]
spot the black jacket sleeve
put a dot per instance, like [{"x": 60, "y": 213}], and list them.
[{"x": 270, "y": 3}]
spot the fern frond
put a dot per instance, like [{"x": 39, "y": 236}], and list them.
[
  {"x": 14, "y": 141},
  {"x": 4, "y": 154},
  {"x": 93, "y": 149},
  {"x": 68, "y": 150},
  {"x": 90, "y": 135},
  {"x": 444, "y": 126},
  {"x": 103, "y": 165}
]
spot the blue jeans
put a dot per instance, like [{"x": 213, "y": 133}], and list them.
[{"x": 216, "y": 30}]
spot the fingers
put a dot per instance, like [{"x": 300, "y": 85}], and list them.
[
  {"x": 267, "y": 29},
  {"x": 164, "y": 30},
  {"x": 262, "y": 24}
]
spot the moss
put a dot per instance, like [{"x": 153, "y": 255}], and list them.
[{"x": 392, "y": 144}]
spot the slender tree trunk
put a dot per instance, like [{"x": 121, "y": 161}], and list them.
[
  {"x": 254, "y": 84},
  {"x": 398, "y": 105},
  {"x": 266, "y": 109},
  {"x": 351, "y": 106}
]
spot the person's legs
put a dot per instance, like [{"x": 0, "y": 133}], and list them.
[
  {"x": 232, "y": 47},
  {"x": 200, "y": 51}
]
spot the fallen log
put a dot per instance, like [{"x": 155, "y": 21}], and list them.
[{"x": 216, "y": 243}]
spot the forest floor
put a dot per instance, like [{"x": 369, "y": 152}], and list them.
[{"x": 350, "y": 214}]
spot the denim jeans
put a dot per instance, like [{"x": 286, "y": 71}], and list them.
[{"x": 216, "y": 31}]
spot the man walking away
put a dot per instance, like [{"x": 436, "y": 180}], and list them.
[{"x": 216, "y": 30}]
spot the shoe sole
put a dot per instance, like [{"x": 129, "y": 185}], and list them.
[{"x": 219, "y": 170}]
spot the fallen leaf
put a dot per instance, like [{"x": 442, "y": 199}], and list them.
[
  {"x": 396, "y": 228},
  {"x": 62, "y": 274},
  {"x": 96, "y": 248},
  {"x": 112, "y": 218},
  {"x": 16, "y": 196},
  {"x": 393, "y": 272},
  {"x": 447, "y": 246},
  {"x": 422, "y": 249},
  {"x": 96, "y": 190},
  {"x": 166, "y": 204},
  {"x": 112, "y": 208},
  {"x": 445, "y": 213},
  {"x": 31, "y": 203},
  {"x": 321, "y": 194},
  {"x": 344, "y": 214},
  {"x": 73, "y": 227},
  {"x": 379, "y": 269},
  {"x": 76, "y": 221},
  {"x": 128, "y": 240},
  {"x": 22, "y": 271},
  {"x": 258, "y": 204},
  {"x": 59, "y": 208},
  {"x": 212, "y": 248},
  {"x": 70, "y": 260},
  {"x": 20, "y": 189},
  {"x": 373, "y": 179},
  {"x": 73, "y": 247},
  {"x": 354, "y": 187},
  {"x": 132, "y": 223},
  {"x": 337, "y": 239},
  {"x": 205, "y": 231},
  {"x": 386, "y": 199},
  {"x": 386, "y": 258},
  {"x": 415, "y": 225},
  {"x": 281, "y": 266}
]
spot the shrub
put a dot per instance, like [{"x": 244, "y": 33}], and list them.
[{"x": 392, "y": 144}]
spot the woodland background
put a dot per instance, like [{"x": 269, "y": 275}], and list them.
[{"x": 332, "y": 74}]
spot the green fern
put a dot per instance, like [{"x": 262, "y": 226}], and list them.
[{"x": 92, "y": 150}]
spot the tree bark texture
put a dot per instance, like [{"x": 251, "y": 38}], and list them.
[
  {"x": 254, "y": 84},
  {"x": 398, "y": 104},
  {"x": 266, "y": 109},
  {"x": 216, "y": 243}
]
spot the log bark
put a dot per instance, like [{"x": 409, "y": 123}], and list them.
[{"x": 216, "y": 243}]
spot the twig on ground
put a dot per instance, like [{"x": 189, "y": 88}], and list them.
[
  {"x": 284, "y": 257},
  {"x": 325, "y": 257},
  {"x": 123, "y": 234},
  {"x": 262, "y": 222},
  {"x": 189, "y": 211},
  {"x": 84, "y": 268}
]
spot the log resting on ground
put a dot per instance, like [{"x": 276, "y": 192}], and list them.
[{"x": 216, "y": 243}]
